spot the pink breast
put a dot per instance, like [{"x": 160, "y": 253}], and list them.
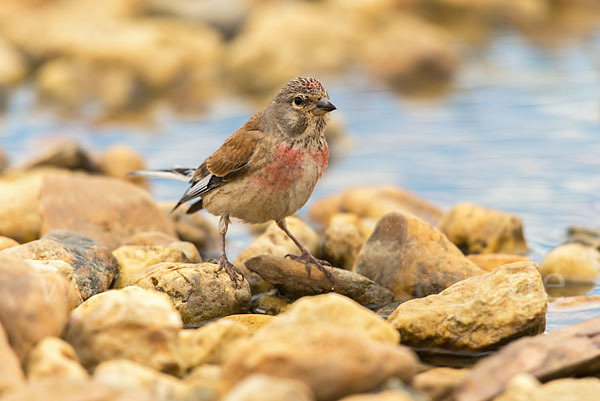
[{"x": 321, "y": 157}]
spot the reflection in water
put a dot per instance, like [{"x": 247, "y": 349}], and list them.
[{"x": 519, "y": 133}]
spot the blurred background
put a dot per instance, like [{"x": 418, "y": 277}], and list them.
[{"x": 490, "y": 101}]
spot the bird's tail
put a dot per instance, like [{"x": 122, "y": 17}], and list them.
[{"x": 179, "y": 174}]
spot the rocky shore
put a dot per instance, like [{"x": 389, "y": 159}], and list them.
[{"x": 108, "y": 296}]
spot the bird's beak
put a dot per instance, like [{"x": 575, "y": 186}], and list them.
[{"x": 324, "y": 106}]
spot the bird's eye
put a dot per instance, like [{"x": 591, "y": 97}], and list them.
[{"x": 298, "y": 101}]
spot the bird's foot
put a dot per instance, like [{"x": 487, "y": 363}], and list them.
[
  {"x": 231, "y": 270},
  {"x": 307, "y": 258}
]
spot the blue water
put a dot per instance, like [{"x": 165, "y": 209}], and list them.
[{"x": 519, "y": 132}]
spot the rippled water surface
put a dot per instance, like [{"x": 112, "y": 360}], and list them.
[{"x": 520, "y": 133}]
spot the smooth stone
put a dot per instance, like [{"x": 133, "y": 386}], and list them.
[
  {"x": 292, "y": 280},
  {"x": 196, "y": 291},
  {"x": 584, "y": 235},
  {"x": 34, "y": 305},
  {"x": 119, "y": 160},
  {"x": 269, "y": 303},
  {"x": 569, "y": 351},
  {"x": 253, "y": 322},
  {"x": 134, "y": 259},
  {"x": 339, "y": 311},
  {"x": 94, "y": 267},
  {"x": 62, "y": 268},
  {"x": 194, "y": 228},
  {"x": 134, "y": 323},
  {"x": 490, "y": 261},
  {"x": 387, "y": 395},
  {"x": 572, "y": 262},
  {"x": 6, "y": 242},
  {"x": 20, "y": 218},
  {"x": 487, "y": 311},
  {"x": 205, "y": 376},
  {"x": 123, "y": 374},
  {"x": 345, "y": 234},
  {"x": 65, "y": 154},
  {"x": 332, "y": 361},
  {"x": 209, "y": 343},
  {"x": 54, "y": 358},
  {"x": 11, "y": 375},
  {"x": 525, "y": 387},
  {"x": 105, "y": 209},
  {"x": 374, "y": 203},
  {"x": 275, "y": 242},
  {"x": 13, "y": 69},
  {"x": 150, "y": 238},
  {"x": 438, "y": 383},
  {"x": 412, "y": 258},
  {"x": 259, "y": 387},
  {"x": 74, "y": 390},
  {"x": 476, "y": 229}
]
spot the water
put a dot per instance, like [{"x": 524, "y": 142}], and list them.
[{"x": 519, "y": 133}]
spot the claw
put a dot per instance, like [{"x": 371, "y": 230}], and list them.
[
  {"x": 231, "y": 270},
  {"x": 307, "y": 259}
]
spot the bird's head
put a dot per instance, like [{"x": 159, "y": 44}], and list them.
[{"x": 300, "y": 106}]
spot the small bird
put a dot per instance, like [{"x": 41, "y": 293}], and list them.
[{"x": 266, "y": 170}]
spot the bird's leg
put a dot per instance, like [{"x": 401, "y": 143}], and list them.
[
  {"x": 224, "y": 262},
  {"x": 306, "y": 257}
]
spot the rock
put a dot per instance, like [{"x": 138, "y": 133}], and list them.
[
  {"x": 321, "y": 339},
  {"x": 291, "y": 280},
  {"x": 93, "y": 266},
  {"x": 269, "y": 303},
  {"x": 438, "y": 383},
  {"x": 339, "y": 311},
  {"x": 255, "y": 68},
  {"x": 105, "y": 209},
  {"x": 150, "y": 238},
  {"x": 583, "y": 235},
  {"x": 569, "y": 351},
  {"x": 196, "y": 291},
  {"x": 120, "y": 160},
  {"x": 53, "y": 358},
  {"x": 33, "y": 305},
  {"x": 276, "y": 243},
  {"x": 374, "y": 203},
  {"x": 6, "y": 242},
  {"x": 208, "y": 344},
  {"x": 490, "y": 261},
  {"x": 123, "y": 374},
  {"x": 3, "y": 160},
  {"x": 64, "y": 154},
  {"x": 19, "y": 206},
  {"x": 572, "y": 262},
  {"x": 252, "y": 322},
  {"x": 62, "y": 268},
  {"x": 476, "y": 229},
  {"x": 194, "y": 228},
  {"x": 411, "y": 55},
  {"x": 13, "y": 68},
  {"x": 344, "y": 236},
  {"x": 11, "y": 375},
  {"x": 487, "y": 311},
  {"x": 188, "y": 249},
  {"x": 525, "y": 387},
  {"x": 74, "y": 390},
  {"x": 205, "y": 376},
  {"x": 132, "y": 323},
  {"x": 331, "y": 361},
  {"x": 412, "y": 258},
  {"x": 260, "y": 387},
  {"x": 134, "y": 259},
  {"x": 388, "y": 395}
]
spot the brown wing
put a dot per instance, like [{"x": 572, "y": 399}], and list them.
[{"x": 230, "y": 160}]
